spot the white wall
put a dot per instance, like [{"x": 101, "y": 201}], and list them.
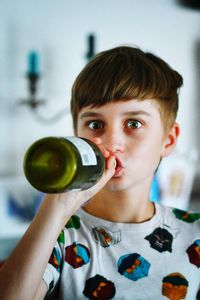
[{"x": 58, "y": 30}]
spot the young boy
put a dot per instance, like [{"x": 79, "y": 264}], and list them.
[{"x": 112, "y": 242}]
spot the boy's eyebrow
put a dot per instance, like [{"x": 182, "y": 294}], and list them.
[
  {"x": 88, "y": 114},
  {"x": 137, "y": 112}
]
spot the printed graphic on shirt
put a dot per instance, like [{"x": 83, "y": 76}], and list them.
[
  {"x": 160, "y": 239},
  {"x": 133, "y": 266},
  {"x": 174, "y": 286},
  {"x": 194, "y": 253},
  {"x": 61, "y": 238},
  {"x": 55, "y": 259},
  {"x": 105, "y": 237},
  {"x": 186, "y": 216},
  {"x": 73, "y": 222},
  {"x": 77, "y": 255},
  {"x": 98, "y": 287}
]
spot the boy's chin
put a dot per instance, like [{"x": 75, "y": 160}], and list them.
[{"x": 115, "y": 186}]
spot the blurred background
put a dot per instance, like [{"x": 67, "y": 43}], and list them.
[{"x": 44, "y": 45}]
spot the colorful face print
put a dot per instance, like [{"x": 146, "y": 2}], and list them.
[
  {"x": 77, "y": 255},
  {"x": 98, "y": 287},
  {"x": 160, "y": 239},
  {"x": 73, "y": 222},
  {"x": 175, "y": 286},
  {"x": 133, "y": 266},
  {"x": 194, "y": 253},
  {"x": 186, "y": 216},
  {"x": 105, "y": 237},
  {"x": 55, "y": 259}
]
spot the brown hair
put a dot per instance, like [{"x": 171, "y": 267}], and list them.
[{"x": 125, "y": 73}]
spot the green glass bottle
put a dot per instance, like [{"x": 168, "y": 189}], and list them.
[{"x": 58, "y": 164}]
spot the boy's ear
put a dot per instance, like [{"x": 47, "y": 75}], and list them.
[{"x": 170, "y": 140}]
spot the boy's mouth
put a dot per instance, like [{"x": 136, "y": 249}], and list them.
[{"x": 118, "y": 166}]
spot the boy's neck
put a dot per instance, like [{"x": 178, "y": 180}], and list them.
[{"x": 120, "y": 207}]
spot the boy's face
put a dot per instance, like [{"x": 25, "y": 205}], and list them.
[{"x": 133, "y": 131}]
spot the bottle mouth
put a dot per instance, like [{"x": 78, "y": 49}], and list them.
[
  {"x": 50, "y": 166},
  {"x": 118, "y": 163},
  {"x": 118, "y": 167}
]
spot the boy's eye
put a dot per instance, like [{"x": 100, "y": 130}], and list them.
[
  {"x": 133, "y": 124},
  {"x": 94, "y": 125}
]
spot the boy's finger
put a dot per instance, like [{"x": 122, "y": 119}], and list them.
[
  {"x": 109, "y": 172},
  {"x": 99, "y": 144}
]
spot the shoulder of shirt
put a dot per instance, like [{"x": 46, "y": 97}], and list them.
[{"x": 183, "y": 217}]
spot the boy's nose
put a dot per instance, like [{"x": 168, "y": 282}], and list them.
[{"x": 113, "y": 142}]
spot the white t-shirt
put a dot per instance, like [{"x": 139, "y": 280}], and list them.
[{"x": 98, "y": 259}]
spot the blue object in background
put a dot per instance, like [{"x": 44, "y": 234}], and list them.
[
  {"x": 155, "y": 190},
  {"x": 15, "y": 209},
  {"x": 22, "y": 211}
]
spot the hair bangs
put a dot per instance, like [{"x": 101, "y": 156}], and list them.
[{"x": 121, "y": 78}]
